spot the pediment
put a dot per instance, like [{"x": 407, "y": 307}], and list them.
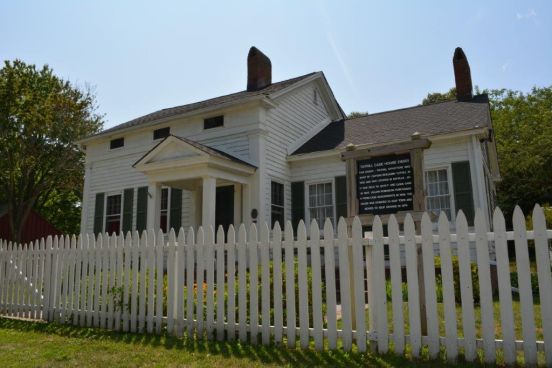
[{"x": 173, "y": 151}]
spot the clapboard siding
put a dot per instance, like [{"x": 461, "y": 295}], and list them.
[
  {"x": 111, "y": 171},
  {"x": 295, "y": 116}
]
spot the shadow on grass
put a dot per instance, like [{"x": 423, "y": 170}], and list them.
[{"x": 278, "y": 354}]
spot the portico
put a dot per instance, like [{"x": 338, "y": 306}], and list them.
[{"x": 219, "y": 184}]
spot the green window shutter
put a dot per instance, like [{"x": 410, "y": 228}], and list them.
[
  {"x": 297, "y": 203},
  {"x": 128, "y": 202},
  {"x": 462, "y": 186},
  {"x": 99, "y": 213},
  {"x": 176, "y": 209},
  {"x": 340, "y": 197},
  {"x": 142, "y": 209}
]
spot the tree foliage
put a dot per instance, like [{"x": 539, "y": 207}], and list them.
[
  {"x": 357, "y": 114},
  {"x": 523, "y": 131},
  {"x": 41, "y": 117},
  {"x": 439, "y": 97}
]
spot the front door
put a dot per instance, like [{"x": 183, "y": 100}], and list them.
[{"x": 224, "y": 207}]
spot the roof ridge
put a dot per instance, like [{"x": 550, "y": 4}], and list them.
[{"x": 412, "y": 107}]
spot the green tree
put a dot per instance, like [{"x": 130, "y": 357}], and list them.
[
  {"x": 41, "y": 117},
  {"x": 357, "y": 114},
  {"x": 523, "y": 131},
  {"x": 440, "y": 97}
]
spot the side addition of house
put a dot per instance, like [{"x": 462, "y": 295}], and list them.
[{"x": 273, "y": 153}]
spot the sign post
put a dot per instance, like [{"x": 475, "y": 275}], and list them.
[{"x": 387, "y": 180}]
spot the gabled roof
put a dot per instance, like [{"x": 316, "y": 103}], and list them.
[
  {"x": 398, "y": 125},
  {"x": 210, "y": 103},
  {"x": 208, "y": 150}
]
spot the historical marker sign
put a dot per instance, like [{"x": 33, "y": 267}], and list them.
[{"x": 385, "y": 184}]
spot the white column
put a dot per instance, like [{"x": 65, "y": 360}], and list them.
[
  {"x": 209, "y": 201},
  {"x": 86, "y": 198},
  {"x": 154, "y": 206}
]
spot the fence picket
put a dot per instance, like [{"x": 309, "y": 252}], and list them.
[
  {"x": 504, "y": 288},
  {"x": 200, "y": 266},
  {"x": 485, "y": 290},
  {"x": 303, "y": 285},
  {"x": 317, "y": 286},
  {"x": 358, "y": 282},
  {"x": 378, "y": 284},
  {"x": 105, "y": 280},
  {"x": 190, "y": 266},
  {"x": 220, "y": 283},
  {"x": 122, "y": 296},
  {"x": 134, "y": 294},
  {"x": 159, "y": 294},
  {"x": 150, "y": 254},
  {"x": 542, "y": 254},
  {"x": 242, "y": 279},
  {"x": 291, "y": 321},
  {"x": 171, "y": 281},
  {"x": 344, "y": 284},
  {"x": 127, "y": 281},
  {"x": 210, "y": 260},
  {"x": 277, "y": 277},
  {"x": 329, "y": 271},
  {"x": 466, "y": 286},
  {"x": 413, "y": 293},
  {"x": 430, "y": 286},
  {"x": 78, "y": 281},
  {"x": 396, "y": 284},
  {"x": 95, "y": 294},
  {"x": 143, "y": 281},
  {"x": 253, "y": 285},
  {"x": 447, "y": 277},
  {"x": 525, "y": 291},
  {"x": 113, "y": 240},
  {"x": 3, "y": 283},
  {"x": 231, "y": 280},
  {"x": 180, "y": 281},
  {"x": 265, "y": 283}
]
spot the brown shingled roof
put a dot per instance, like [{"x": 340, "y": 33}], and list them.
[{"x": 398, "y": 125}]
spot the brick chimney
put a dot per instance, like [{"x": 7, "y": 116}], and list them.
[
  {"x": 462, "y": 75},
  {"x": 259, "y": 70}
]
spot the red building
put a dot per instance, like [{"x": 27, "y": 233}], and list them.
[{"x": 36, "y": 227}]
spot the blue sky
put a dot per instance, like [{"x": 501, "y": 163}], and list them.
[{"x": 143, "y": 56}]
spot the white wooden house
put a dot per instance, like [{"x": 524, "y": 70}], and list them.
[{"x": 272, "y": 153}]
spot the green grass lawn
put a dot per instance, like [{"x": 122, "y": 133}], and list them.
[{"x": 33, "y": 344}]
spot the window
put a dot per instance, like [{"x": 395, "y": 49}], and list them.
[
  {"x": 164, "y": 209},
  {"x": 214, "y": 122},
  {"x": 161, "y": 133},
  {"x": 321, "y": 203},
  {"x": 113, "y": 214},
  {"x": 117, "y": 143},
  {"x": 277, "y": 203},
  {"x": 315, "y": 97},
  {"x": 438, "y": 192}
]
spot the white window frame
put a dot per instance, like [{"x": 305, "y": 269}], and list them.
[
  {"x": 448, "y": 169},
  {"x": 284, "y": 198},
  {"x": 168, "y": 207},
  {"x": 116, "y": 148},
  {"x": 111, "y": 194},
  {"x": 307, "y": 206}
]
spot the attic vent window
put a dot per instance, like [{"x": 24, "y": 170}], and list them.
[
  {"x": 315, "y": 97},
  {"x": 214, "y": 122},
  {"x": 161, "y": 133},
  {"x": 117, "y": 143}
]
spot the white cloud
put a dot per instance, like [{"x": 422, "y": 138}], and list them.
[{"x": 531, "y": 13}]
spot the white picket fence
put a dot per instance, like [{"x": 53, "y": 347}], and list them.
[{"x": 281, "y": 286}]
